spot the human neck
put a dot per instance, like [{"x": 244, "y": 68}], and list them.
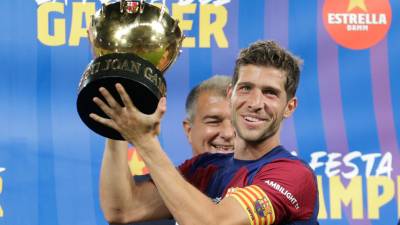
[{"x": 245, "y": 150}]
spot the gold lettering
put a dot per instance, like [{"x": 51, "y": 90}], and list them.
[
  {"x": 95, "y": 68},
  {"x": 77, "y": 31},
  {"x": 215, "y": 28},
  {"x": 124, "y": 65},
  {"x": 44, "y": 36},
  {"x": 148, "y": 73},
  {"x": 376, "y": 201},
  {"x": 161, "y": 85},
  {"x": 89, "y": 71},
  {"x": 178, "y": 13},
  {"x": 157, "y": 81},
  {"x": 322, "y": 207},
  {"x": 108, "y": 63},
  {"x": 85, "y": 75},
  {"x": 346, "y": 195},
  {"x": 135, "y": 67},
  {"x": 116, "y": 64}
]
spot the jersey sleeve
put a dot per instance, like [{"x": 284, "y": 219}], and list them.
[
  {"x": 199, "y": 170},
  {"x": 187, "y": 167},
  {"x": 283, "y": 190}
]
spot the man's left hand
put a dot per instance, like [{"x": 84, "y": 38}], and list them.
[{"x": 132, "y": 124}]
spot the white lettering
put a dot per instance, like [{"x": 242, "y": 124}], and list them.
[
  {"x": 315, "y": 156},
  {"x": 39, "y": 2},
  {"x": 221, "y": 2},
  {"x": 382, "y": 19},
  {"x": 203, "y": 2},
  {"x": 347, "y": 162},
  {"x": 332, "y": 18},
  {"x": 357, "y": 27},
  {"x": 284, "y": 191},
  {"x": 347, "y": 165},
  {"x": 385, "y": 165},
  {"x": 357, "y": 18},
  {"x": 370, "y": 160},
  {"x": 332, "y": 164},
  {"x": 185, "y": 2}
]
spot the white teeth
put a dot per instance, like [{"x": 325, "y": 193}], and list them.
[
  {"x": 222, "y": 148},
  {"x": 251, "y": 119}
]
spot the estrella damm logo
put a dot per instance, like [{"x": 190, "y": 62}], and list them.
[{"x": 357, "y": 24}]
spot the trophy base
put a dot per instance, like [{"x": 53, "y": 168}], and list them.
[{"x": 144, "y": 94}]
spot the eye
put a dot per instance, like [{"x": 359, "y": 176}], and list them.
[
  {"x": 244, "y": 88},
  {"x": 212, "y": 122},
  {"x": 270, "y": 92}
]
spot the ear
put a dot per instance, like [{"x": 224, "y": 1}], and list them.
[
  {"x": 290, "y": 107},
  {"x": 187, "y": 128},
  {"x": 229, "y": 91}
]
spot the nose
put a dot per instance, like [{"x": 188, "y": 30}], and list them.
[
  {"x": 227, "y": 131},
  {"x": 254, "y": 101}
]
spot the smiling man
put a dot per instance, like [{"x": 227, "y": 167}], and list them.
[
  {"x": 208, "y": 124},
  {"x": 259, "y": 183}
]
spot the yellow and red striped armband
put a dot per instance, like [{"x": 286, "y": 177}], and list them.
[{"x": 256, "y": 204}]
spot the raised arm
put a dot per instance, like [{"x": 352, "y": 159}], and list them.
[
  {"x": 122, "y": 200},
  {"x": 185, "y": 202}
]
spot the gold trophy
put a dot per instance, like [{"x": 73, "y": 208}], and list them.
[{"x": 134, "y": 43}]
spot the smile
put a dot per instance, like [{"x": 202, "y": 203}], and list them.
[
  {"x": 253, "y": 119},
  {"x": 222, "y": 148}
]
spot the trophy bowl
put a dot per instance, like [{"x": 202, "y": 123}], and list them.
[{"x": 133, "y": 43}]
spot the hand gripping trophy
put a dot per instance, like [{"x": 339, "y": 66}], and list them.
[{"x": 134, "y": 43}]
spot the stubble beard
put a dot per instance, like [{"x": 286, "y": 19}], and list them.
[{"x": 259, "y": 135}]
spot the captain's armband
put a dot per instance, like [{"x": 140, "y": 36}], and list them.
[{"x": 256, "y": 204}]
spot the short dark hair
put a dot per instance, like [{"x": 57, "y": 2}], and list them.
[
  {"x": 217, "y": 84},
  {"x": 270, "y": 54}
]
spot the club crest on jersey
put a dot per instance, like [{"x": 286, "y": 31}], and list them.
[{"x": 263, "y": 207}]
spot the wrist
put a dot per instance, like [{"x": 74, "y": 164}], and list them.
[
  {"x": 145, "y": 143},
  {"x": 116, "y": 145}
]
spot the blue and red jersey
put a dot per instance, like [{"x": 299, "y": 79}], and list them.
[{"x": 278, "y": 188}]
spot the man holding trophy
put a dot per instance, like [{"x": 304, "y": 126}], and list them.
[{"x": 260, "y": 183}]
